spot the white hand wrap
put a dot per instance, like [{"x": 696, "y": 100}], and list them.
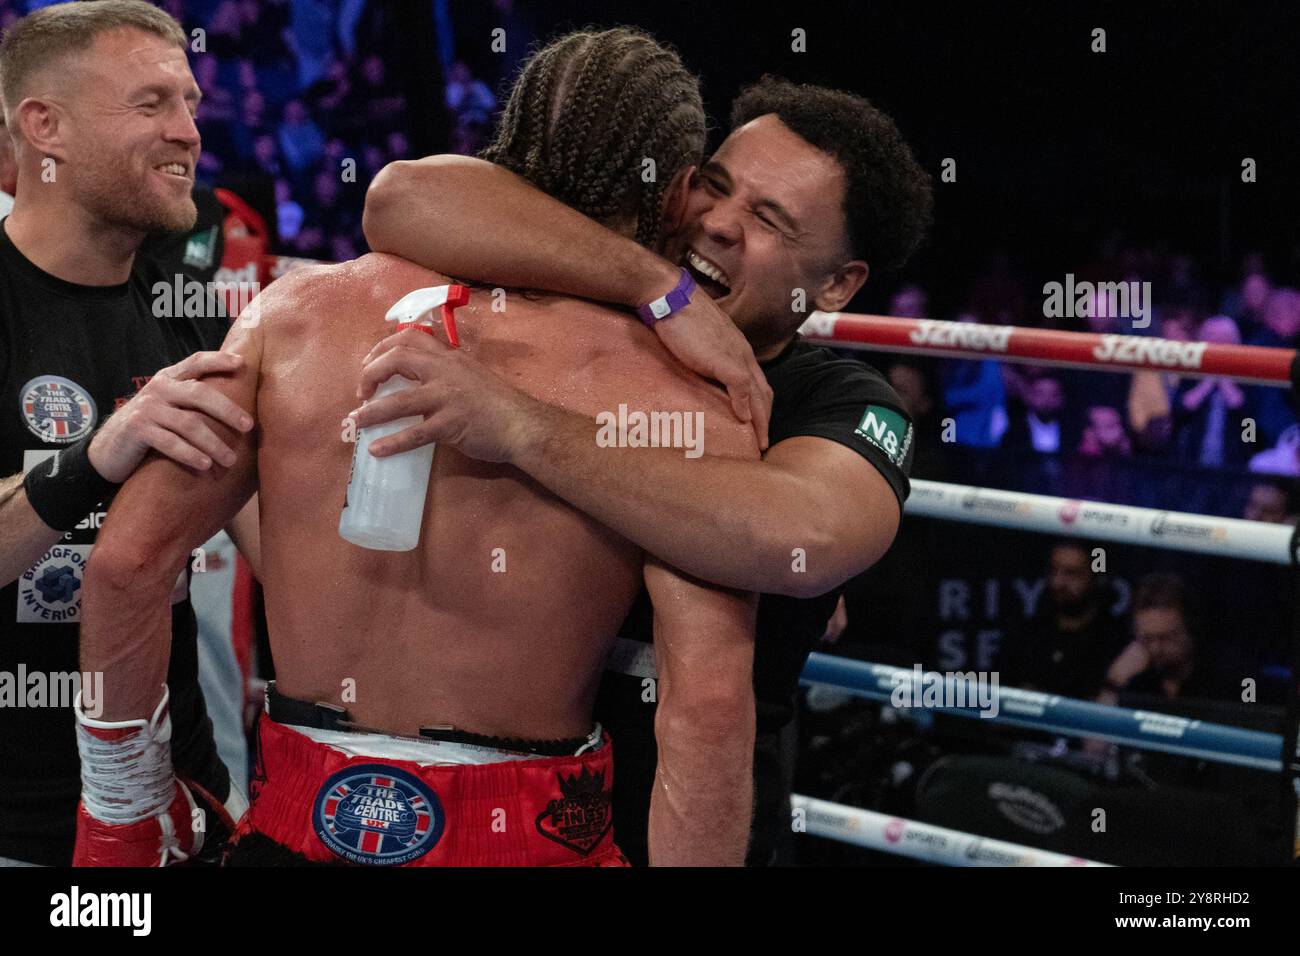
[{"x": 128, "y": 778}]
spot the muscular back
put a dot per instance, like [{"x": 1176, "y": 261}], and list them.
[{"x": 500, "y": 620}]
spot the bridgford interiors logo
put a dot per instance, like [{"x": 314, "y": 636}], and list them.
[
  {"x": 1086, "y": 300},
  {"x": 43, "y": 689},
  {"x": 976, "y": 690},
  {"x": 638, "y": 429}
]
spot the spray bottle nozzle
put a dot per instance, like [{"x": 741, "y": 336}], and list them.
[{"x": 409, "y": 311}]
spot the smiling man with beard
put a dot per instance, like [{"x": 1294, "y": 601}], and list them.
[
  {"x": 100, "y": 102},
  {"x": 813, "y": 189}
]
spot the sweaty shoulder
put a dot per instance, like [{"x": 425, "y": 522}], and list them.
[{"x": 355, "y": 290}]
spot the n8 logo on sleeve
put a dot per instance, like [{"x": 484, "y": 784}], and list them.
[{"x": 888, "y": 430}]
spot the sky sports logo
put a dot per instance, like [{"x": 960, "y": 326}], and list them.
[{"x": 888, "y": 430}]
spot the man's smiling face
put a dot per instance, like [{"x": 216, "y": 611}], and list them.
[
  {"x": 132, "y": 142},
  {"x": 764, "y": 217}
]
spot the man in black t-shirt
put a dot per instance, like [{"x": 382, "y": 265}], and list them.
[
  {"x": 812, "y": 189},
  {"x": 93, "y": 372},
  {"x": 1066, "y": 647}
]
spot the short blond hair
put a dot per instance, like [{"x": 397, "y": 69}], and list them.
[{"x": 50, "y": 33}]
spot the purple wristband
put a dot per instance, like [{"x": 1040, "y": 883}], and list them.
[{"x": 673, "y": 302}]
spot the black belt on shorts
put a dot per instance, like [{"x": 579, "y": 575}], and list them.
[{"x": 319, "y": 716}]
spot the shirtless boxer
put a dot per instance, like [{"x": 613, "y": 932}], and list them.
[{"x": 498, "y": 623}]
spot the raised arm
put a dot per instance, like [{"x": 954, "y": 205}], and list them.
[
  {"x": 465, "y": 217},
  {"x": 703, "y": 795}
]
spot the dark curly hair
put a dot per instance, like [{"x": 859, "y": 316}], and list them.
[
  {"x": 888, "y": 198},
  {"x": 584, "y": 113}
]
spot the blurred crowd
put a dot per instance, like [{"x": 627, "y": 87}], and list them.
[
  {"x": 294, "y": 89},
  {"x": 1146, "y": 438}
]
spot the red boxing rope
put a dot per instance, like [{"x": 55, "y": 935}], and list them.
[{"x": 1246, "y": 363}]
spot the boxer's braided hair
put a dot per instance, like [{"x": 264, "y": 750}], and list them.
[{"x": 585, "y": 113}]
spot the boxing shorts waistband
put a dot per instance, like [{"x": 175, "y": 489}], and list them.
[
  {"x": 321, "y": 716},
  {"x": 325, "y": 804}
]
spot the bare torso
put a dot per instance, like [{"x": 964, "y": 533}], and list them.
[{"x": 441, "y": 635}]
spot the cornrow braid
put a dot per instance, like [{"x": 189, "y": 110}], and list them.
[{"x": 585, "y": 113}]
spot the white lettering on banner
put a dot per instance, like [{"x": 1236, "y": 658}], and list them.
[
  {"x": 1162, "y": 352},
  {"x": 967, "y": 335}
]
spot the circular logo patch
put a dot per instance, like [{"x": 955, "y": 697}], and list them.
[
  {"x": 57, "y": 409},
  {"x": 377, "y": 815}
]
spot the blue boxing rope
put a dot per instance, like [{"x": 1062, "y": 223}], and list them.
[{"x": 1147, "y": 730}]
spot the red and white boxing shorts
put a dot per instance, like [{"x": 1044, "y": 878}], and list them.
[{"x": 330, "y": 796}]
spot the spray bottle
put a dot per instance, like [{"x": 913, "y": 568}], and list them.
[{"x": 385, "y": 502}]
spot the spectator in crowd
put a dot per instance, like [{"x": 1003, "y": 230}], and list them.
[
  {"x": 266, "y": 157},
  {"x": 1102, "y": 316},
  {"x": 468, "y": 98},
  {"x": 1096, "y": 470},
  {"x": 910, "y": 302},
  {"x": 218, "y": 103},
  {"x": 377, "y": 98},
  {"x": 311, "y": 242},
  {"x": 288, "y": 214},
  {"x": 333, "y": 155},
  {"x": 225, "y": 31},
  {"x": 328, "y": 208},
  {"x": 1209, "y": 413},
  {"x": 1150, "y": 410},
  {"x": 1167, "y": 657},
  {"x": 399, "y": 147},
  {"x": 218, "y": 113},
  {"x": 373, "y": 159},
  {"x": 329, "y": 93},
  {"x": 311, "y": 39},
  {"x": 1065, "y": 647},
  {"x": 1280, "y": 329},
  {"x": 302, "y": 144},
  {"x": 247, "y": 71},
  {"x": 1104, "y": 435},
  {"x": 998, "y": 296},
  {"x": 974, "y": 396},
  {"x": 1270, "y": 501},
  {"x": 1182, "y": 285},
  {"x": 342, "y": 248},
  {"x": 1283, "y": 458},
  {"x": 1037, "y": 422},
  {"x": 265, "y": 34},
  {"x": 251, "y": 124},
  {"x": 1246, "y": 304},
  {"x": 1281, "y": 320},
  {"x": 469, "y": 138}
]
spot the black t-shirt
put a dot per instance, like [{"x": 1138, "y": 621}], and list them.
[
  {"x": 1041, "y": 656},
  {"x": 815, "y": 393},
  {"x": 69, "y": 355}
]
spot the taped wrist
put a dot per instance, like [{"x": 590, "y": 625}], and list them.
[
  {"x": 126, "y": 765},
  {"x": 65, "y": 488}
]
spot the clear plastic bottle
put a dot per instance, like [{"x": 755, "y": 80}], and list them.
[{"x": 385, "y": 502}]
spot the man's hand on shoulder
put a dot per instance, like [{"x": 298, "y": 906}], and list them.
[
  {"x": 704, "y": 339},
  {"x": 168, "y": 416}
]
